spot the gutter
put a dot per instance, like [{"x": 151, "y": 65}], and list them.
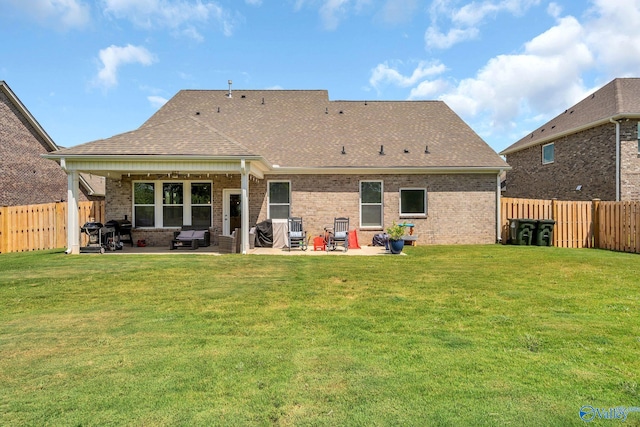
[
  {"x": 387, "y": 170},
  {"x": 617, "y": 123},
  {"x": 555, "y": 136}
]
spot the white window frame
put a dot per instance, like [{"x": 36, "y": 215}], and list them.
[
  {"x": 381, "y": 204},
  {"x": 554, "y": 153},
  {"x": 188, "y": 210},
  {"x": 183, "y": 205},
  {"x": 134, "y": 204},
  {"x": 412, "y": 215},
  {"x": 276, "y": 181},
  {"x": 158, "y": 188}
]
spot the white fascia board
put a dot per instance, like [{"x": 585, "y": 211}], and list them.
[
  {"x": 387, "y": 171},
  {"x": 556, "y": 136}
]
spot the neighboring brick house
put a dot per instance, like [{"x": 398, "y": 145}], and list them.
[
  {"x": 212, "y": 157},
  {"x": 25, "y": 176},
  {"x": 590, "y": 151}
]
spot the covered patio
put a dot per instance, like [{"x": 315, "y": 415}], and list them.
[
  {"x": 170, "y": 169},
  {"x": 215, "y": 250}
]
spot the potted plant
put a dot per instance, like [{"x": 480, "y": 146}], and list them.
[{"x": 396, "y": 234}]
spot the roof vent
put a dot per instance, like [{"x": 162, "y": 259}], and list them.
[
  {"x": 197, "y": 113},
  {"x": 229, "y": 95},
  {"x": 218, "y": 109},
  {"x": 326, "y": 110},
  {"x": 343, "y": 152},
  {"x": 426, "y": 149},
  {"x": 262, "y": 101},
  {"x": 382, "y": 150},
  {"x": 243, "y": 96},
  {"x": 341, "y": 112},
  {"x": 406, "y": 151}
]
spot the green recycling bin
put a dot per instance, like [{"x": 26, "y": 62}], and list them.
[
  {"x": 521, "y": 231},
  {"x": 544, "y": 232}
]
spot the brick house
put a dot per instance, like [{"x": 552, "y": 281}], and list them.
[
  {"x": 222, "y": 159},
  {"x": 25, "y": 177},
  {"x": 590, "y": 151}
]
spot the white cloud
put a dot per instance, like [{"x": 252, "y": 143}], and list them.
[
  {"x": 464, "y": 21},
  {"x": 613, "y": 33},
  {"x": 115, "y": 56},
  {"x": 157, "y": 101},
  {"x": 475, "y": 13},
  {"x": 546, "y": 77},
  {"x": 174, "y": 14},
  {"x": 434, "y": 38},
  {"x": 333, "y": 12},
  {"x": 253, "y": 2},
  {"x": 398, "y": 11},
  {"x": 59, "y": 14},
  {"x": 384, "y": 74},
  {"x": 428, "y": 89}
]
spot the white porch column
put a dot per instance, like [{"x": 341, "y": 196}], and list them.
[
  {"x": 245, "y": 206},
  {"x": 73, "y": 227}
]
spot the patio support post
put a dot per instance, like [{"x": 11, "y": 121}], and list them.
[
  {"x": 73, "y": 227},
  {"x": 245, "y": 206}
]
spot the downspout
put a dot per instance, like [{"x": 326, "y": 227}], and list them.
[{"x": 617, "y": 123}]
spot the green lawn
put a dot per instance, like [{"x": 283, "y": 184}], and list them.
[{"x": 450, "y": 335}]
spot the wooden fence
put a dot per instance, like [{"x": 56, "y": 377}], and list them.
[
  {"x": 595, "y": 224},
  {"x": 37, "y": 227}
]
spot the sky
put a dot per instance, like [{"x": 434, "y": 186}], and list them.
[{"x": 88, "y": 70}]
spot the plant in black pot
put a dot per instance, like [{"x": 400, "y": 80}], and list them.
[{"x": 396, "y": 234}]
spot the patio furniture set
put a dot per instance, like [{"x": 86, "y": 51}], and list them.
[{"x": 337, "y": 235}]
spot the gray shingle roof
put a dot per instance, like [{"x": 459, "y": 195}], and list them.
[
  {"x": 619, "y": 97},
  {"x": 304, "y": 129}
]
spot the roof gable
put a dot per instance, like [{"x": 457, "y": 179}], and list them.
[
  {"x": 4, "y": 88},
  {"x": 618, "y": 98},
  {"x": 94, "y": 186}
]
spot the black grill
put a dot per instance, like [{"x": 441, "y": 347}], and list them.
[{"x": 123, "y": 228}]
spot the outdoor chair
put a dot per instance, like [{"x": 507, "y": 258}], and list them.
[
  {"x": 340, "y": 234},
  {"x": 296, "y": 234},
  {"x": 190, "y": 237},
  {"x": 230, "y": 244}
]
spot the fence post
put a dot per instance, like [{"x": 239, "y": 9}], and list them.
[
  {"x": 554, "y": 216},
  {"x": 4, "y": 230},
  {"x": 595, "y": 222}
]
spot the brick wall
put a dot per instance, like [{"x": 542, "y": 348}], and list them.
[
  {"x": 629, "y": 161},
  {"x": 586, "y": 158},
  {"x": 461, "y": 208},
  {"x": 25, "y": 177}
]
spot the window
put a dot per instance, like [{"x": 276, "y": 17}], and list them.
[
  {"x": 201, "y": 204},
  {"x": 548, "y": 154},
  {"x": 413, "y": 202},
  {"x": 279, "y": 199},
  {"x": 143, "y": 204},
  {"x": 371, "y": 204},
  {"x": 172, "y": 204}
]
